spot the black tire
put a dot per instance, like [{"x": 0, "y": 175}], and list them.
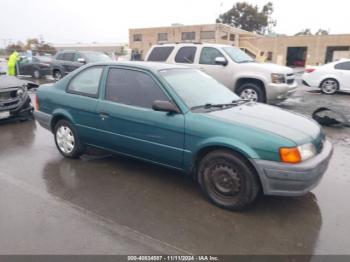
[
  {"x": 228, "y": 180},
  {"x": 36, "y": 74},
  {"x": 77, "y": 148},
  {"x": 57, "y": 74},
  {"x": 251, "y": 86},
  {"x": 329, "y": 90}
]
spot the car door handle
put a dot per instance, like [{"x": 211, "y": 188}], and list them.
[
  {"x": 202, "y": 69},
  {"x": 103, "y": 115}
]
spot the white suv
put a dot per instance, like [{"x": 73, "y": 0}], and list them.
[{"x": 262, "y": 82}]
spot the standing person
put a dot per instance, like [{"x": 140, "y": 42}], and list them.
[{"x": 13, "y": 59}]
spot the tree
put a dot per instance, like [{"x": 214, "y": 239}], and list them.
[
  {"x": 40, "y": 46},
  {"x": 306, "y": 31},
  {"x": 13, "y": 47},
  {"x": 248, "y": 17}
]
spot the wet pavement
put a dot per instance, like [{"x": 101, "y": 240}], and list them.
[{"x": 107, "y": 204}]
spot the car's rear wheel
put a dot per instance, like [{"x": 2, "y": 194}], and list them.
[
  {"x": 66, "y": 139},
  {"x": 251, "y": 91},
  {"x": 329, "y": 86},
  {"x": 227, "y": 180},
  {"x": 57, "y": 75},
  {"x": 36, "y": 74}
]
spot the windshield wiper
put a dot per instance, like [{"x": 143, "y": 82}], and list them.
[{"x": 221, "y": 106}]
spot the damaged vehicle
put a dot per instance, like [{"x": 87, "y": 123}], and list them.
[
  {"x": 15, "y": 103},
  {"x": 181, "y": 118}
]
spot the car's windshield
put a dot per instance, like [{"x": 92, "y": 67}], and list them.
[
  {"x": 196, "y": 88},
  {"x": 97, "y": 57},
  {"x": 237, "y": 55}
]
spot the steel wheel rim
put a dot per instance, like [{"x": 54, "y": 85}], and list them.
[
  {"x": 225, "y": 181},
  {"x": 65, "y": 139},
  {"x": 329, "y": 86},
  {"x": 249, "y": 94}
]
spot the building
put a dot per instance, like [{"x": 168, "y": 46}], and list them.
[
  {"x": 141, "y": 40},
  {"x": 296, "y": 51}
]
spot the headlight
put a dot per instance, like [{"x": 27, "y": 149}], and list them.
[
  {"x": 295, "y": 155},
  {"x": 278, "y": 78},
  {"x": 20, "y": 92}
]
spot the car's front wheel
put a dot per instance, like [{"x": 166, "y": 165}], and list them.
[
  {"x": 57, "y": 75},
  {"x": 36, "y": 74},
  {"x": 329, "y": 86},
  {"x": 66, "y": 139},
  {"x": 251, "y": 91},
  {"x": 228, "y": 180}
]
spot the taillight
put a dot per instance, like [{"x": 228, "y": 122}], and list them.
[
  {"x": 309, "y": 70},
  {"x": 36, "y": 103}
]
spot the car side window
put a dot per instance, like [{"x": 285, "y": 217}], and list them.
[
  {"x": 86, "y": 82},
  {"x": 208, "y": 56},
  {"x": 186, "y": 55},
  {"x": 134, "y": 88},
  {"x": 160, "y": 54},
  {"x": 69, "y": 57},
  {"x": 343, "y": 66},
  {"x": 59, "y": 56}
]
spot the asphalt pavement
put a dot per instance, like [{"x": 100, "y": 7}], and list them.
[{"x": 107, "y": 204}]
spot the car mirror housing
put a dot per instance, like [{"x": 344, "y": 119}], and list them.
[
  {"x": 165, "y": 106},
  {"x": 221, "y": 61},
  {"x": 81, "y": 60}
]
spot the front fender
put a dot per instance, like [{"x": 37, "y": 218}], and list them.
[{"x": 215, "y": 142}]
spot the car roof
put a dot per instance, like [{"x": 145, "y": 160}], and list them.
[
  {"x": 154, "y": 66},
  {"x": 193, "y": 44}
]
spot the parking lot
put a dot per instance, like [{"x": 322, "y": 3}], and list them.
[{"x": 107, "y": 204}]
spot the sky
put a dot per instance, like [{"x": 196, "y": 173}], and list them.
[{"x": 108, "y": 21}]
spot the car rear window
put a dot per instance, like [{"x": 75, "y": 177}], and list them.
[{"x": 160, "y": 54}]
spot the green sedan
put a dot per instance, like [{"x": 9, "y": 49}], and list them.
[{"x": 182, "y": 118}]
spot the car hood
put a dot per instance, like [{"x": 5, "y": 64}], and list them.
[
  {"x": 12, "y": 82},
  {"x": 291, "y": 126},
  {"x": 269, "y": 68}
]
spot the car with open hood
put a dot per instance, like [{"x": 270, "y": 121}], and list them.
[
  {"x": 15, "y": 102},
  {"x": 182, "y": 118}
]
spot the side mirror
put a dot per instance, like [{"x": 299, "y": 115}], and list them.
[
  {"x": 221, "y": 61},
  {"x": 165, "y": 106},
  {"x": 81, "y": 60}
]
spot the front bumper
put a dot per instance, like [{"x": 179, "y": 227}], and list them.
[
  {"x": 18, "y": 110},
  {"x": 293, "y": 179},
  {"x": 276, "y": 93}
]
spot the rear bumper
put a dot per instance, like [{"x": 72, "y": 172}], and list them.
[
  {"x": 43, "y": 119},
  {"x": 293, "y": 180}
]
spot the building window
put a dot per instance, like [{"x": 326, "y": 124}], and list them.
[
  {"x": 162, "y": 37},
  {"x": 232, "y": 37},
  {"x": 137, "y": 38},
  {"x": 269, "y": 56},
  {"x": 188, "y": 36},
  {"x": 207, "y": 34},
  {"x": 223, "y": 35}
]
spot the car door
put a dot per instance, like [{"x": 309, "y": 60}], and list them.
[
  {"x": 24, "y": 66},
  {"x": 70, "y": 63},
  {"x": 81, "y": 102},
  {"x": 343, "y": 73},
  {"x": 129, "y": 125},
  {"x": 207, "y": 64}
]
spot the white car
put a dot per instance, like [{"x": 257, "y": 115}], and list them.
[
  {"x": 262, "y": 82},
  {"x": 330, "y": 77}
]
